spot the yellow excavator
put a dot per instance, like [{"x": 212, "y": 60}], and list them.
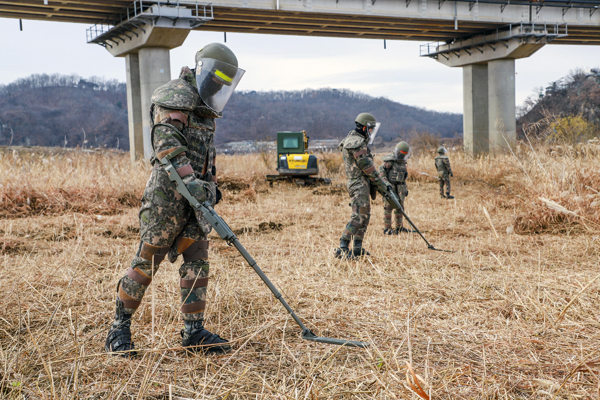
[{"x": 294, "y": 162}]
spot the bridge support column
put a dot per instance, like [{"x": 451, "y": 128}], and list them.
[
  {"x": 502, "y": 105},
  {"x": 475, "y": 106},
  {"x": 488, "y": 61},
  {"x": 134, "y": 107},
  {"x": 148, "y": 63},
  {"x": 155, "y": 70}
]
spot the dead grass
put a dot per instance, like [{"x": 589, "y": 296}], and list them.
[{"x": 479, "y": 323}]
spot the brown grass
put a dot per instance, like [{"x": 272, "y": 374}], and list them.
[{"x": 482, "y": 322}]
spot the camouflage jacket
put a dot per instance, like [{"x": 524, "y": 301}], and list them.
[
  {"x": 181, "y": 119},
  {"x": 393, "y": 170},
  {"x": 358, "y": 162},
  {"x": 442, "y": 164}
]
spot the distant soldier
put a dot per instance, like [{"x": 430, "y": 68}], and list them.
[
  {"x": 393, "y": 172},
  {"x": 183, "y": 113},
  {"x": 442, "y": 164},
  {"x": 362, "y": 175}
]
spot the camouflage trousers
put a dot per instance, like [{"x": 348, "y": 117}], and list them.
[
  {"x": 361, "y": 214},
  {"x": 387, "y": 210},
  {"x": 168, "y": 226},
  {"x": 445, "y": 181}
]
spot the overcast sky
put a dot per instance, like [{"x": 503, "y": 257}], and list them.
[{"x": 286, "y": 62}]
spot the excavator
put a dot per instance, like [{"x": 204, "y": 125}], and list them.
[{"x": 294, "y": 161}]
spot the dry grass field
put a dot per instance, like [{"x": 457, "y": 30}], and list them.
[{"x": 512, "y": 313}]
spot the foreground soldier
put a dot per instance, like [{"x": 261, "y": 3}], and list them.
[
  {"x": 184, "y": 112},
  {"x": 442, "y": 164},
  {"x": 393, "y": 172},
  {"x": 362, "y": 175}
]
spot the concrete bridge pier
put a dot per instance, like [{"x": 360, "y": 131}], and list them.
[
  {"x": 148, "y": 63},
  {"x": 501, "y": 105},
  {"x": 475, "y": 108},
  {"x": 488, "y": 62},
  {"x": 489, "y": 123}
]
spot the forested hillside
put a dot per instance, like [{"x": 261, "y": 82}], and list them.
[
  {"x": 325, "y": 114},
  {"x": 577, "y": 94},
  {"x": 66, "y": 110}
]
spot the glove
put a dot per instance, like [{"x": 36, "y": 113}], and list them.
[
  {"x": 200, "y": 190},
  {"x": 451, "y": 174},
  {"x": 218, "y": 196},
  {"x": 406, "y": 193}
]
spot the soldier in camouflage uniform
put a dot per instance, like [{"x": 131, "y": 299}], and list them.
[
  {"x": 393, "y": 172},
  {"x": 362, "y": 177},
  {"x": 184, "y": 112},
  {"x": 442, "y": 164}
]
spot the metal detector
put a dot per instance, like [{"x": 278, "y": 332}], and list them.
[
  {"x": 394, "y": 201},
  {"x": 221, "y": 227}
]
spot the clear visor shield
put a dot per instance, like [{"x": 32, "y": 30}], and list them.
[
  {"x": 399, "y": 154},
  {"x": 373, "y": 128},
  {"x": 216, "y": 82}
]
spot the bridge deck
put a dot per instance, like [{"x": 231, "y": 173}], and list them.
[{"x": 437, "y": 24}]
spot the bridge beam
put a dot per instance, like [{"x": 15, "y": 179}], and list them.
[{"x": 148, "y": 63}]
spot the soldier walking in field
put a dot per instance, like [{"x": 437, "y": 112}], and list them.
[
  {"x": 442, "y": 164},
  {"x": 362, "y": 177},
  {"x": 393, "y": 172},
  {"x": 184, "y": 112}
]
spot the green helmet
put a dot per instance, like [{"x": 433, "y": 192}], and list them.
[
  {"x": 402, "y": 148},
  {"x": 217, "y": 51},
  {"x": 217, "y": 75},
  {"x": 366, "y": 119},
  {"x": 441, "y": 150}
]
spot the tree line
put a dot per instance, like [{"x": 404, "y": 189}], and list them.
[{"x": 67, "y": 110}]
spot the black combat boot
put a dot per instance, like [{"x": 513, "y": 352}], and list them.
[
  {"x": 448, "y": 196},
  {"x": 194, "y": 334},
  {"x": 343, "y": 251},
  {"x": 358, "y": 250},
  {"x": 404, "y": 230},
  {"x": 119, "y": 336},
  {"x": 388, "y": 231}
]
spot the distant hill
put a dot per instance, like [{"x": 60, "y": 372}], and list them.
[
  {"x": 66, "y": 110},
  {"x": 576, "y": 94},
  {"x": 326, "y": 114}
]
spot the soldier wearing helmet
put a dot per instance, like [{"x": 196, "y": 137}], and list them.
[
  {"x": 393, "y": 172},
  {"x": 184, "y": 112},
  {"x": 362, "y": 175},
  {"x": 442, "y": 164}
]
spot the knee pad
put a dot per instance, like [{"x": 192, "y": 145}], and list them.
[{"x": 191, "y": 249}]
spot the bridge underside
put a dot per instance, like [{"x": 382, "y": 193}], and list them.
[{"x": 280, "y": 22}]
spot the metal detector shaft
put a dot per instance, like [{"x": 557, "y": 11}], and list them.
[
  {"x": 221, "y": 227},
  {"x": 395, "y": 203},
  {"x": 227, "y": 234}
]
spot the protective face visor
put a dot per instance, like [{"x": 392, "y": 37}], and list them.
[
  {"x": 216, "y": 81},
  {"x": 401, "y": 154},
  {"x": 373, "y": 128}
]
